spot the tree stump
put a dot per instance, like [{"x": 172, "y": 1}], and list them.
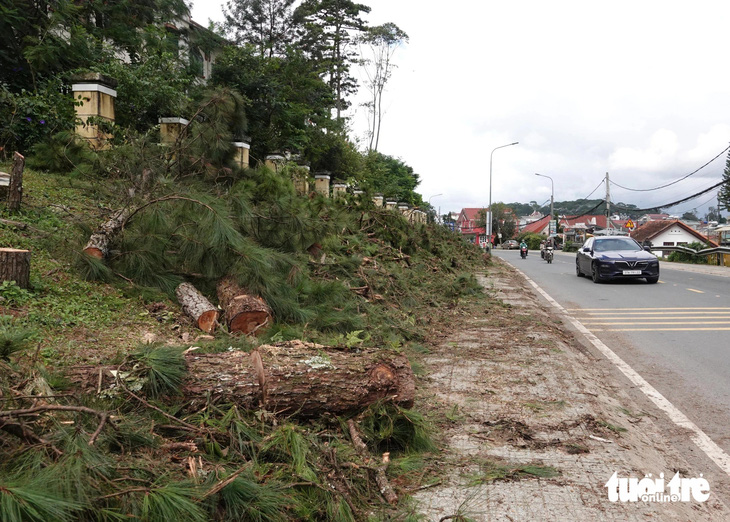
[
  {"x": 242, "y": 312},
  {"x": 197, "y": 306},
  {"x": 15, "y": 191},
  {"x": 15, "y": 266},
  {"x": 98, "y": 245}
]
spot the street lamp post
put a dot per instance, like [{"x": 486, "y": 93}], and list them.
[
  {"x": 438, "y": 218},
  {"x": 488, "y": 227},
  {"x": 552, "y": 198}
]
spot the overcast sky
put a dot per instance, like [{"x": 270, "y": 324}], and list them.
[{"x": 635, "y": 88}]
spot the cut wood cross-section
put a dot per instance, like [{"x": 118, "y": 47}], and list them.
[
  {"x": 197, "y": 306},
  {"x": 243, "y": 313}
]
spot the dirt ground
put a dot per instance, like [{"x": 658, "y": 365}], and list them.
[{"x": 534, "y": 427}]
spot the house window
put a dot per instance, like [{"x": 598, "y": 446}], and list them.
[{"x": 668, "y": 243}]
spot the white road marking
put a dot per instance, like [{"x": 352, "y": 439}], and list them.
[{"x": 699, "y": 437}]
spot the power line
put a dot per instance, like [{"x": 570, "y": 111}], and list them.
[
  {"x": 587, "y": 211},
  {"x": 599, "y": 186},
  {"x": 670, "y": 204},
  {"x": 673, "y": 182}
]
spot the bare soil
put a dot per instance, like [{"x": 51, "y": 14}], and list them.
[{"x": 533, "y": 426}]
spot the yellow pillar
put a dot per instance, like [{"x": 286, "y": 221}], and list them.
[
  {"x": 322, "y": 184},
  {"x": 390, "y": 204},
  {"x": 170, "y": 129},
  {"x": 275, "y": 162},
  {"x": 300, "y": 177},
  {"x": 96, "y": 95},
  {"x": 241, "y": 154},
  {"x": 339, "y": 189},
  {"x": 378, "y": 200}
]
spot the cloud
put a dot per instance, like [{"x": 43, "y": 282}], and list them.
[{"x": 658, "y": 155}]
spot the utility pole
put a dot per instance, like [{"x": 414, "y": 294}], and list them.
[{"x": 608, "y": 206}]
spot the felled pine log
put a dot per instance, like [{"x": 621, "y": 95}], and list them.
[
  {"x": 292, "y": 378},
  {"x": 299, "y": 378},
  {"x": 195, "y": 305},
  {"x": 243, "y": 313},
  {"x": 98, "y": 245}
]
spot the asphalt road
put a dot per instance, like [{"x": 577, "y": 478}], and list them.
[{"x": 675, "y": 333}]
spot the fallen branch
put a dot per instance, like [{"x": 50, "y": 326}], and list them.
[
  {"x": 103, "y": 416},
  {"x": 380, "y": 476}
]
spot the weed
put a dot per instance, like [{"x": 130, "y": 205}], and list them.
[{"x": 613, "y": 427}]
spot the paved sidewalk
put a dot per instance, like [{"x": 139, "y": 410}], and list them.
[{"x": 523, "y": 398}]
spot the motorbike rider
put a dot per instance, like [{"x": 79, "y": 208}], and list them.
[{"x": 523, "y": 245}]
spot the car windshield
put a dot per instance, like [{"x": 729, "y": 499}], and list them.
[{"x": 607, "y": 245}]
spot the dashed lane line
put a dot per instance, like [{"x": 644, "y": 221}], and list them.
[{"x": 699, "y": 437}]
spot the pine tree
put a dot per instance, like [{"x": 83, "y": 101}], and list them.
[{"x": 723, "y": 196}]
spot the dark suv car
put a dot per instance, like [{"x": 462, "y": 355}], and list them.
[{"x": 606, "y": 258}]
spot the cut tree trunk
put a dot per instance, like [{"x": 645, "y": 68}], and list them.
[
  {"x": 15, "y": 266},
  {"x": 15, "y": 191},
  {"x": 197, "y": 306},
  {"x": 292, "y": 378},
  {"x": 243, "y": 313},
  {"x": 98, "y": 245},
  {"x": 301, "y": 379}
]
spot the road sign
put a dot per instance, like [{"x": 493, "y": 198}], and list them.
[{"x": 629, "y": 225}]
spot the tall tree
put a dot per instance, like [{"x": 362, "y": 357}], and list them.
[
  {"x": 723, "y": 196},
  {"x": 327, "y": 30},
  {"x": 265, "y": 24},
  {"x": 380, "y": 43},
  {"x": 286, "y": 100}
]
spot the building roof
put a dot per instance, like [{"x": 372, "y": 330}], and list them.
[
  {"x": 537, "y": 227},
  {"x": 470, "y": 214},
  {"x": 596, "y": 220},
  {"x": 652, "y": 229}
]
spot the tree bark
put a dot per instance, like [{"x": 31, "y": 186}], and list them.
[
  {"x": 291, "y": 378},
  {"x": 302, "y": 379},
  {"x": 243, "y": 313},
  {"x": 197, "y": 306},
  {"x": 15, "y": 192},
  {"x": 98, "y": 245},
  {"x": 15, "y": 266}
]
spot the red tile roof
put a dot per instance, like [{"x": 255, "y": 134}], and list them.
[
  {"x": 652, "y": 229},
  {"x": 536, "y": 227}
]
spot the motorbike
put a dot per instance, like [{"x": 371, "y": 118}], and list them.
[
  {"x": 523, "y": 252},
  {"x": 548, "y": 254}
]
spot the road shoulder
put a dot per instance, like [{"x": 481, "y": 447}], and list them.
[{"x": 534, "y": 425}]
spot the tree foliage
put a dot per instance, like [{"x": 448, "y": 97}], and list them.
[
  {"x": 266, "y": 25},
  {"x": 327, "y": 32},
  {"x": 723, "y": 195},
  {"x": 286, "y": 102}
]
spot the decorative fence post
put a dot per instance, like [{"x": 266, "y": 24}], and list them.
[
  {"x": 96, "y": 94},
  {"x": 322, "y": 183}
]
